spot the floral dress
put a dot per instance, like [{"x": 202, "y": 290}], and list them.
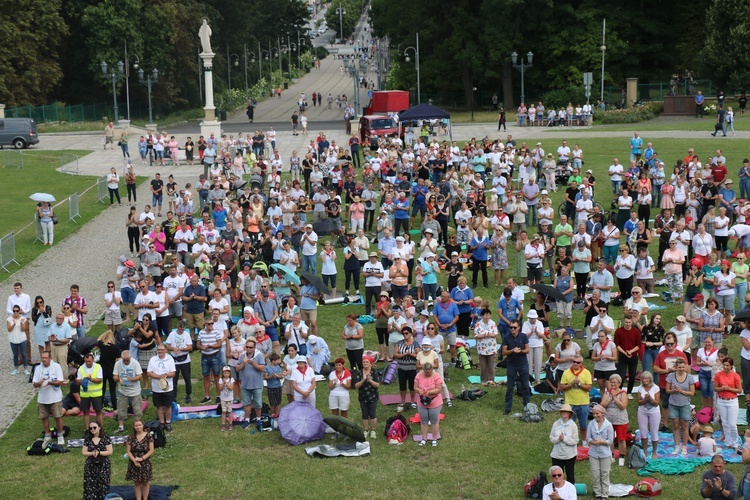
[
  {"x": 96, "y": 471},
  {"x": 367, "y": 393},
  {"x": 499, "y": 255},
  {"x": 138, "y": 449}
]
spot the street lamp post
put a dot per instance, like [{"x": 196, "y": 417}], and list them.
[
  {"x": 603, "y": 49},
  {"x": 260, "y": 61},
  {"x": 245, "y": 54},
  {"x": 236, "y": 63},
  {"x": 340, "y": 10},
  {"x": 354, "y": 70},
  {"x": 292, "y": 48},
  {"x": 521, "y": 67},
  {"x": 416, "y": 60},
  {"x": 127, "y": 76},
  {"x": 114, "y": 76},
  {"x": 150, "y": 79}
]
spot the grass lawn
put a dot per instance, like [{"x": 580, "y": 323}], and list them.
[{"x": 483, "y": 453}]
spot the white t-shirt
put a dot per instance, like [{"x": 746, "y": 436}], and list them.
[
  {"x": 567, "y": 492},
  {"x": 616, "y": 170},
  {"x": 111, "y": 296},
  {"x": 220, "y": 305},
  {"x": 684, "y": 337},
  {"x": 226, "y": 394},
  {"x": 173, "y": 284},
  {"x": 160, "y": 367},
  {"x": 145, "y": 299},
  {"x": 180, "y": 341},
  {"x": 745, "y": 334},
  {"x": 654, "y": 409},
  {"x": 48, "y": 393},
  {"x": 724, "y": 222},
  {"x": 708, "y": 357},
  {"x": 307, "y": 247},
  {"x": 338, "y": 384}
]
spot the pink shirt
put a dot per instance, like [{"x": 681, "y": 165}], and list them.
[{"x": 429, "y": 383}]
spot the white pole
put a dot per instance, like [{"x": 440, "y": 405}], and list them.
[
  {"x": 604, "y": 49},
  {"x": 419, "y": 91}
]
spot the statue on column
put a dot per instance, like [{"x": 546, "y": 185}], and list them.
[{"x": 204, "y": 33}]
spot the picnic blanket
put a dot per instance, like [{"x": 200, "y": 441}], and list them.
[{"x": 415, "y": 419}]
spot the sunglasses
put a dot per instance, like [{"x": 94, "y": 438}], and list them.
[
  {"x": 93, "y": 428},
  {"x": 576, "y": 362},
  {"x": 556, "y": 475},
  {"x": 40, "y": 302},
  {"x": 514, "y": 328},
  {"x": 108, "y": 286}
]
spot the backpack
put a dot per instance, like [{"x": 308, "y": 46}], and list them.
[
  {"x": 463, "y": 358},
  {"x": 396, "y": 429},
  {"x": 38, "y": 448},
  {"x": 647, "y": 487},
  {"x": 534, "y": 487},
  {"x": 121, "y": 339},
  {"x": 636, "y": 457},
  {"x": 531, "y": 414},
  {"x": 471, "y": 395},
  {"x": 705, "y": 415},
  {"x": 157, "y": 433}
]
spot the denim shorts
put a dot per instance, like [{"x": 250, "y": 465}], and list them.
[
  {"x": 128, "y": 295},
  {"x": 252, "y": 397},
  {"x": 211, "y": 364},
  {"x": 681, "y": 412}
]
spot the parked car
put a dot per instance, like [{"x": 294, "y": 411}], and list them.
[{"x": 18, "y": 132}]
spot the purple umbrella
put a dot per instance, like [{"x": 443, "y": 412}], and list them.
[{"x": 300, "y": 422}]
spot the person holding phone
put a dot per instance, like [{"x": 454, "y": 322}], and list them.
[{"x": 558, "y": 488}]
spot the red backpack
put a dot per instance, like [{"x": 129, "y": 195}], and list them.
[
  {"x": 397, "y": 432},
  {"x": 647, "y": 487}
]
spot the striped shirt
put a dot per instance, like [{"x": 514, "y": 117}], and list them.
[{"x": 209, "y": 338}]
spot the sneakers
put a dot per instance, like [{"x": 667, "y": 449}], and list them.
[
  {"x": 630, "y": 396},
  {"x": 413, "y": 405},
  {"x": 585, "y": 444},
  {"x": 61, "y": 440},
  {"x": 120, "y": 430},
  {"x": 422, "y": 442},
  {"x": 449, "y": 403},
  {"x": 373, "y": 434},
  {"x": 47, "y": 440},
  {"x": 434, "y": 443},
  {"x": 14, "y": 372},
  {"x": 168, "y": 426},
  {"x": 223, "y": 427},
  {"x": 206, "y": 400},
  {"x": 230, "y": 427},
  {"x": 26, "y": 372},
  {"x": 188, "y": 399},
  {"x": 400, "y": 408}
]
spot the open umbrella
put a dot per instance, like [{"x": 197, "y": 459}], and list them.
[
  {"x": 316, "y": 282},
  {"x": 549, "y": 291},
  {"x": 290, "y": 275},
  {"x": 742, "y": 315},
  {"x": 301, "y": 422},
  {"x": 42, "y": 197}
]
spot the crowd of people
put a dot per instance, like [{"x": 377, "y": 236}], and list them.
[{"x": 233, "y": 267}]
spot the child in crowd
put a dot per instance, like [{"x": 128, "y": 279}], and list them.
[
  {"x": 290, "y": 361},
  {"x": 274, "y": 376},
  {"x": 226, "y": 392},
  {"x": 476, "y": 310},
  {"x": 707, "y": 444}
]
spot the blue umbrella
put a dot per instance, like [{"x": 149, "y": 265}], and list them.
[
  {"x": 290, "y": 275},
  {"x": 300, "y": 422}
]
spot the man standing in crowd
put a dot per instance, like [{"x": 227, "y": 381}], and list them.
[
  {"x": 59, "y": 338},
  {"x": 251, "y": 368},
  {"x": 515, "y": 348},
  {"x": 90, "y": 379},
  {"x": 194, "y": 296},
  {"x": 210, "y": 342},
  {"x": 128, "y": 373},
  {"x": 49, "y": 378},
  {"x": 161, "y": 371},
  {"x": 80, "y": 307},
  {"x": 575, "y": 384}
]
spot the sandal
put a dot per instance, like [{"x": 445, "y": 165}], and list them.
[
  {"x": 422, "y": 442},
  {"x": 400, "y": 408},
  {"x": 413, "y": 405},
  {"x": 450, "y": 403},
  {"x": 434, "y": 443}
]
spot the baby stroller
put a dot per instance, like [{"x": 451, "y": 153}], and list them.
[{"x": 562, "y": 173}]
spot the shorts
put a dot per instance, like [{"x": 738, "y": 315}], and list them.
[
  {"x": 156, "y": 200},
  {"x": 582, "y": 414},
  {"x": 252, "y": 397},
  {"x": 55, "y": 410},
  {"x": 621, "y": 431},
  {"x": 194, "y": 320},
  {"x": 175, "y": 308},
  {"x": 399, "y": 291},
  {"x": 286, "y": 388},
  {"x": 696, "y": 343},
  {"x": 681, "y": 412},
  {"x": 725, "y": 301},
  {"x": 329, "y": 280},
  {"x": 339, "y": 402},
  {"x": 91, "y": 403},
  {"x": 113, "y": 317},
  {"x": 450, "y": 337},
  {"x": 122, "y": 406},
  {"x": 664, "y": 395},
  {"x": 210, "y": 364},
  {"x": 128, "y": 295},
  {"x": 309, "y": 316},
  {"x": 274, "y": 396},
  {"x": 564, "y": 309},
  {"x": 429, "y": 415},
  {"x": 604, "y": 374},
  {"x": 163, "y": 399},
  {"x": 271, "y": 332},
  {"x": 226, "y": 406},
  {"x": 369, "y": 410}
]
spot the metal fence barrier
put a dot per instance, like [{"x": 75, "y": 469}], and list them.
[
  {"x": 12, "y": 158},
  {"x": 69, "y": 163},
  {"x": 38, "y": 228},
  {"x": 8, "y": 251},
  {"x": 73, "y": 208},
  {"x": 101, "y": 189}
]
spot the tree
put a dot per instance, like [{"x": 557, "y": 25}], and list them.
[
  {"x": 29, "y": 51},
  {"x": 725, "y": 54}
]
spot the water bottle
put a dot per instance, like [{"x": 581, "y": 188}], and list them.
[{"x": 463, "y": 387}]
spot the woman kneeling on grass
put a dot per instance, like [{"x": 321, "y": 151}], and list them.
[{"x": 429, "y": 385}]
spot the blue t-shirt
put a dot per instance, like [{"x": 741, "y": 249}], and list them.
[
  {"x": 273, "y": 383},
  {"x": 509, "y": 308},
  {"x": 562, "y": 283},
  {"x": 516, "y": 359},
  {"x": 479, "y": 253},
  {"x": 445, "y": 314},
  {"x": 220, "y": 218},
  {"x": 459, "y": 295},
  {"x": 306, "y": 303},
  {"x": 194, "y": 306},
  {"x": 401, "y": 209},
  {"x": 420, "y": 195},
  {"x": 429, "y": 274}
]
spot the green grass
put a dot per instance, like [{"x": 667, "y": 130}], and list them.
[
  {"x": 40, "y": 175},
  {"x": 482, "y": 454}
]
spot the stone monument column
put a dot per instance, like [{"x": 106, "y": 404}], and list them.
[{"x": 209, "y": 124}]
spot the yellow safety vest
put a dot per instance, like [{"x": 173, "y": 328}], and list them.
[{"x": 93, "y": 390}]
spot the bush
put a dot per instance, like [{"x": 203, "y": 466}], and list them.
[
  {"x": 321, "y": 52},
  {"x": 629, "y": 115},
  {"x": 560, "y": 98}
]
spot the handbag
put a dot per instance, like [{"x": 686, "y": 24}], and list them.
[
  {"x": 54, "y": 219},
  {"x": 426, "y": 400}
]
